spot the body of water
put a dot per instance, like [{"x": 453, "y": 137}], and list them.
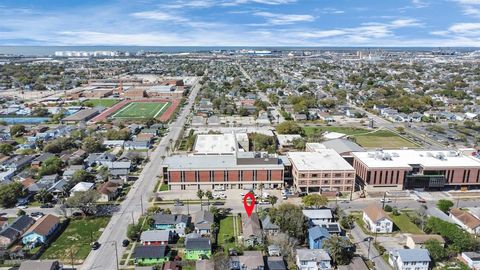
[{"x": 50, "y": 50}]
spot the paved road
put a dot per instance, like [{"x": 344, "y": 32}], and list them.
[
  {"x": 131, "y": 208},
  {"x": 363, "y": 248}
]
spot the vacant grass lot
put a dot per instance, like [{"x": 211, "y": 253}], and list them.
[
  {"x": 226, "y": 232},
  {"x": 366, "y": 138},
  {"x": 104, "y": 102},
  {"x": 139, "y": 110},
  {"x": 403, "y": 223},
  {"x": 77, "y": 236}
]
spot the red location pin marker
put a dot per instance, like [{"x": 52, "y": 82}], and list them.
[{"x": 249, "y": 207}]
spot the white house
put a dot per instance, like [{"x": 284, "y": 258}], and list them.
[
  {"x": 319, "y": 215},
  {"x": 81, "y": 187},
  {"x": 313, "y": 259},
  {"x": 465, "y": 220},
  {"x": 472, "y": 259},
  {"x": 377, "y": 220},
  {"x": 410, "y": 259}
]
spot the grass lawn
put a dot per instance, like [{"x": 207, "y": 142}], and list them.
[
  {"x": 139, "y": 110},
  {"x": 367, "y": 138},
  {"x": 404, "y": 224},
  {"x": 226, "y": 232},
  {"x": 164, "y": 187},
  {"x": 104, "y": 102},
  {"x": 78, "y": 235}
]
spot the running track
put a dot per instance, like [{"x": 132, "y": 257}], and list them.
[{"x": 163, "y": 118}]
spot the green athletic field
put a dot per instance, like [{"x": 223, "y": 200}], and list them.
[{"x": 142, "y": 110}]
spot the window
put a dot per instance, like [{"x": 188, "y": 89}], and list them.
[
  {"x": 338, "y": 175},
  {"x": 325, "y": 182},
  {"x": 337, "y": 181},
  {"x": 314, "y": 175},
  {"x": 325, "y": 175},
  {"x": 303, "y": 175}
]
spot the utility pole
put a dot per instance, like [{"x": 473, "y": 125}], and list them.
[
  {"x": 141, "y": 203},
  {"x": 383, "y": 202}
]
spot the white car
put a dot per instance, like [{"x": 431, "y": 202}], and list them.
[
  {"x": 386, "y": 200},
  {"x": 22, "y": 207}
]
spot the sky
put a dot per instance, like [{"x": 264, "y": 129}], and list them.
[{"x": 342, "y": 23}]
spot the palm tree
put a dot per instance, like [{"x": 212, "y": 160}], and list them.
[
  {"x": 209, "y": 196},
  {"x": 272, "y": 199},
  {"x": 200, "y": 195},
  {"x": 338, "y": 248},
  {"x": 42, "y": 195}
]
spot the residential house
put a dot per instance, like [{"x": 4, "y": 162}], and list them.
[
  {"x": 268, "y": 227},
  {"x": 96, "y": 159},
  {"x": 252, "y": 232},
  {"x": 40, "y": 265},
  {"x": 108, "y": 191},
  {"x": 250, "y": 260},
  {"x": 316, "y": 236},
  {"x": 377, "y": 220},
  {"x": 418, "y": 240},
  {"x": 318, "y": 215},
  {"x": 472, "y": 259},
  {"x": 176, "y": 223},
  {"x": 203, "y": 222},
  {"x": 38, "y": 161},
  {"x": 465, "y": 220},
  {"x": 137, "y": 145},
  {"x": 81, "y": 187},
  {"x": 156, "y": 237},
  {"x": 41, "y": 230},
  {"x": 407, "y": 259},
  {"x": 151, "y": 255},
  {"x": 197, "y": 248},
  {"x": 276, "y": 263},
  {"x": 313, "y": 259},
  {"x": 113, "y": 143},
  {"x": 331, "y": 227},
  {"x": 18, "y": 227},
  {"x": 274, "y": 250},
  {"x": 172, "y": 266}
]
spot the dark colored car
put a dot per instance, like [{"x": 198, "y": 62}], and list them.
[
  {"x": 47, "y": 205},
  {"x": 95, "y": 245},
  {"x": 125, "y": 243}
]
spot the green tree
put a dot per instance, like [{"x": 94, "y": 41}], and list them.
[
  {"x": 85, "y": 201},
  {"x": 16, "y": 130},
  {"x": 444, "y": 205},
  {"x": 289, "y": 127},
  {"x": 92, "y": 145},
  {"x": 290, "y": 219},
  {"x": 221, "y": 261},
  {"x": 43, "y": 196},
  {"x": 82, "y": 176},
  {"x": 272, "y": 199},
  {"x": 9, "y": 194},
  {"x": 6, "y": 149},
  {"x": 59, "y": 145},
  {"x": 200, "y": 195},
  {"x": 299, "y": 144},
  {"x": 51, "y": 165},
  {"x": 314, "y": 200},
  {"x": 209, "y": 196},
  {"x": 339, "y": 249},
  {"x": 123, "y": 134},
  {"x": 21, "y": 212},
  {"x": 437, "y": 252},
  {"x": 134, "y": 231},
  {"x": 40, "y": 112},
  {"x": 347, "y": 222}
]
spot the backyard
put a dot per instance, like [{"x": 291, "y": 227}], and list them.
[
  {"x": 403, "y": 223},
  {"x": 229, "y": 229},
  {"x": 103, "y": 102},
  {"x": 76, "y": 239}
]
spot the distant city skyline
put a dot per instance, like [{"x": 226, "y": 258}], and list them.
[{"x": 403, "y": 23}]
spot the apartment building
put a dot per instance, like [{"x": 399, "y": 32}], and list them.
[
  {"x": 324, "y": 170},
  {"x": 416, "y": 169}
]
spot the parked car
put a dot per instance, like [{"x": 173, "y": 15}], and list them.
[
  {"x": 178, "y": 203},
  {"x": 125, "y": 243},
  {"x": 36, "y": 214},
  {"x": 47, "y": 205},
  {"x": 421, "y": 200},
  {"x": 95, "y": 245},
  {"x": 22, "y": 207},
  {"x": 385, "y": 200}
]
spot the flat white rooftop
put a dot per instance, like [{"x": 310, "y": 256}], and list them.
[
  {"x": 215, "y": 144},
  {"x": 405, "y": 158},
  {"x": 323, "y": 160},
  {"x": 287, "y": 139}
]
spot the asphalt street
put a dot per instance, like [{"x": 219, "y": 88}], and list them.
[{"x": 135, "y": 202}]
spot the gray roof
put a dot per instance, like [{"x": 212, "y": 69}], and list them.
[
  {"x": 10, "y": 233},
  {"x": 343, "y": 146},
  {"x": 155, "y": 235},
  {"x": 413, "y": 255},
  {"x": 150, "y": 252},
  {"x": 267, "y": 224},
  {"x": 316, "y": 255},
  {"x": 276, "y": 263},
  {"x": 169, "y": 219},
  {"x": 197, "y": 244},
  {"x": 22, "y": 223},
  {"x": 212, "y": 162},
  {"x": 82, "y": 115},
  {"x": 39, "y": 265}
]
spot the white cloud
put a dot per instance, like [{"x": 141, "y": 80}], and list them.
[
  {"x": 405, "y": 23},
  {"x": 470, "y": 7},
  {"x": 465, "y": 28},
  {"x": 265, "y": 2},
  {"x": 420, "y": 3},
  {"x": 159, "y": 16},
  {"x": 282, "y": 19}
]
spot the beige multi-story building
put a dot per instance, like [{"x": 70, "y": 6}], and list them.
[{"x": 324, "y": 170}]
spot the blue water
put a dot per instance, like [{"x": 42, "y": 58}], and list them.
[
  {"x": 24, "y": 120},
  {"x": 50, "y": 50}
]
